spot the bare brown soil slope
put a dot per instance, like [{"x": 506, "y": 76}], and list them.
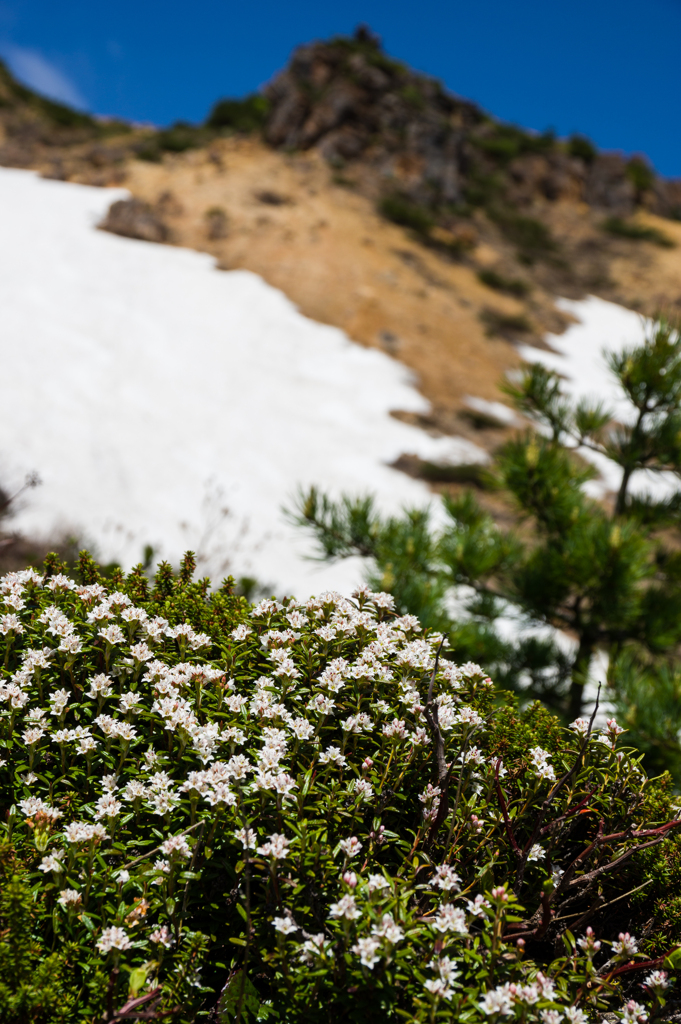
[
  {"x": 287, "y": 218},
  {"x": 338, "y": 260}
]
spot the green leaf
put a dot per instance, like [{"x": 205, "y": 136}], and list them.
[{"x": 137, "y": 978}]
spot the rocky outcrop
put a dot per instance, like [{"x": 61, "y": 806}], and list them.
[
  {"x": 352, "y": 102},
  {"x": 134, "y": 219}
]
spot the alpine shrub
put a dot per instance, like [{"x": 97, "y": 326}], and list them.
[{"x": 305, "y": 812}]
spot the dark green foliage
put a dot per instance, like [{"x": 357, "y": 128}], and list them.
[
  {"x": 413, "y": 95},
  {"x": 504, "y": 323},
  {"x": 605, "y": 575},
  {"x": 511, "y": 285},
  {"x": 406, "y": 213},
  {"x": 583, "y": 148},
  {"x": 641, "y": 175},
  {"x": 35, "y": 983},
  {"x": 463, "y": 473},
  {"x": 482, "y": 188},
  {"x": 637, "y": 232},
  {"x": 65, "y": 117},
  {"x": 246, "y": 115},
  {"x": 180, "y": 137},
  {"x": 531, "y": 237},
  {"x": 505, "y": 142},
  {"x": 368, "y": 46}
]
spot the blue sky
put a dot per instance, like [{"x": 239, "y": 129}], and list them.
[{"x": 607, "y": 68}]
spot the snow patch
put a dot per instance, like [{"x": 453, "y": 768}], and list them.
[
  {"x": 497, "y": 410},
  {"x": 164, "y": 402}
]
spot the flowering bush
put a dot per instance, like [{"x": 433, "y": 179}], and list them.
[{"x": 306, "y": 812}]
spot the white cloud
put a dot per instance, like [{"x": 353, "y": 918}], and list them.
[{"x": 40, "y": 74}]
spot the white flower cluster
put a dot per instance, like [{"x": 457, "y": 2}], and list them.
[{"x": 179, "y": 738}]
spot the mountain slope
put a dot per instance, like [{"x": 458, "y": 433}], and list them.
[{"x": 385, "y": 206}]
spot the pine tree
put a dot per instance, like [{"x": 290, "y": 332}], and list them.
[{"x": 606, "y": 573}]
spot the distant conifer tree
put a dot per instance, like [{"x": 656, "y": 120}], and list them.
[{"x": 608, "y": 574}]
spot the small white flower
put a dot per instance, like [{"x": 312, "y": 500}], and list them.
[
  {"x": 313, "y": 946},
  {"x": 33, "y": 805},
  {"x": 33, "y": 736},
  {"x": 395, "y": 729},
  {"x": 321, "y": 705},
  {"x": 351, "y": 846},
  {"x": 162, "y": 936},
  {"x": 285, "y": 925},
  {"x": 575, "y": 1016},
  {"x": 107, "y": 806},
  {"x": 302, "y": 729},
  {"x": 366, "y": 949},
  {"x": 10, "y": 624},
  {"x": 658, "y": 981},
  {"x": 346, "y": 907},
  {"x": 450, "y": 919},
  {"x": 113, "y": 635},
  {"x": 69, "y": 897},
  {"x": 176, "y": 846},
  {"x": 589, "y": 943},
  {"x": 446, "y": 878},
  {"x": 241, "y": 632},
  {"x": 438, "y": 987},
  {"x": 113, "y": 938},
  {"x": 478, "y": 906},
  {"x": 626, "y": 946},
  {"x": 332, "y": 755},
  {"x": 53, "y": 862},
  {"x": 388, "y": 930},
  {"x": 499, "y": 1000},
  {"x": 247, "y": 837},
  {"x": 536, "y": 853},
  {"x": 363, "y": 789},
  {"x": 277, "y": 847}
]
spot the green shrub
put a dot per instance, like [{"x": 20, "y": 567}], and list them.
[
  {"x": 531, "y": 237},
  {"x": 179, "y": 137},
  {"x": 640, "y": 174},
  {"x": 65, "y": 117},
  {"x": 302, "y": 812},
  {"x": 368, "y": 46},
  {"x": 583, "y": 148},
  {"x": 464, "y": 473},
  {"x": 34, "y": 982},
  {"x": 217, "y": 223},
  {"x": 504, "y": 323},
  {"x": 246, "y": 115},
  {"x": 637, "y": 232},
  {"x": 510, "y": 285},
  {"x": 505, "y": 142},
  {"x": 413, "y": 96},
  {"x": 406, "y": 213}
]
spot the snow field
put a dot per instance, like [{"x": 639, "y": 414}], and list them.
[{"x": 164, "y": 402}]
